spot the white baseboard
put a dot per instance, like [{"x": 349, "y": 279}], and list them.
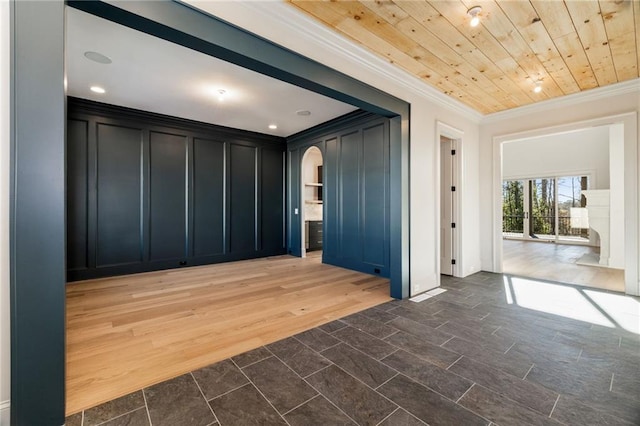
[{"x": 5, "y": 407}]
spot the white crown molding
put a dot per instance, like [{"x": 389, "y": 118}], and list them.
[
  {"x": 313, "y": 33},
  {"x": 599, "y": 93}
]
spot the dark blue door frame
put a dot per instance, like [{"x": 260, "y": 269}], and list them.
[{"x": 37, "y": 220}]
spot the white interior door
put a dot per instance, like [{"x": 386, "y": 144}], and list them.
[{"x": 447, "y": 220}]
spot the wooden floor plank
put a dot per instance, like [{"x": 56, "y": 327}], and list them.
[
  {"x": 126, "y": 333},
  {"x": 557, "y": 262}
]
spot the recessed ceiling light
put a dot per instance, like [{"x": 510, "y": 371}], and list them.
[
  {"x": 97, "y": 89},
  {"x": 538, "y": 87},
  {"x": 97, "y": 57},
  {"x": 273, "y": 126},
  {"x": 303, "y": 112},
  {"x": 221, "y": 94},
  {"x": 473, "y": 13}
]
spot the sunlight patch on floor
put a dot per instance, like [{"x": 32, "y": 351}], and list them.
[{"x": 592, "y": 306}]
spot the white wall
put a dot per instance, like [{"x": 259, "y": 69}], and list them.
[
  {"x": 616, "y": 197},
  {"x": 292, "y": 29},
  {"x": 560, "y": 155},
  {"x": 594, "y": 107},
  {"x": 5, "y": 365}
]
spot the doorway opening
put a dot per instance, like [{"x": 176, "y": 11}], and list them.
[
  {"x": 312, "y": 205},
  {"x": 451, "y": 201},
  {"x": 447, "y": 206},
  {"x": 565, "y": 188}
]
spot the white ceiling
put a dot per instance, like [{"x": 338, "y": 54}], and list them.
[{"x": 151, "y": 74}]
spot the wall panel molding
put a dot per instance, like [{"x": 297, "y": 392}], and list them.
[
  {"x": 356, "y": 191},
  {"x": 148, "y": 192}
]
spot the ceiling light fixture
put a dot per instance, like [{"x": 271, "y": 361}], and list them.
[
  {"x": 97, "y": 57},
  {"x": 303, "y": 112},
  {"x": 273, "y": 126},
  {"x": 474, "y": 13},
  {"x": 221, "y": 94},
  {"x": 538, "y": 87},
  {"x": 97, "y": 89}
]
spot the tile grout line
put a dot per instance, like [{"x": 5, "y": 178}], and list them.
[
  {"x": 528, "y": 371},
  {"x": 512, "y": 345},
  {"x": 116, "y": 417},
  {"x": 448, "y": 340},
  {"x": 312, "y": 373},
  {"x": 260, "y": 392},
  {"x": 146, "y": 406},
  {"x": 446, "y": 322},
  {"x": 309, "y": 347},
  {"x": 386, "y": 381},
  {"x": 301, "y": 404},
  {"x": 228, "y": 392},
  {"x": 554, "y": 406},
  {"x": 390, "y": 414},
  {"x": 331, "y": 347},
  {"x": 454, "y": 362},
  {"x": 255, "y": 362},
  {"x": 467, "y": 391},
  {"x": 325, "y": 397},
  {"x": 611, "y": 384},
  {"x": 204, "y": 397},
  {"x": 385, "y": 357}
]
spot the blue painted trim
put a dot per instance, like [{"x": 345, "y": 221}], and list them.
[
  {"x": 37, "y": 213},
  {"x": 356, "y": 122},
  {"x": 190, "y": 28}
]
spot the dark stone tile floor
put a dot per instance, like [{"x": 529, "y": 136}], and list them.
[{"x": 463, "y": 357}]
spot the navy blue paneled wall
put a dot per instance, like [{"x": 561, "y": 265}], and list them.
[
  {"x": 355, "y": 150},
  {"x": 150, "y": 192}
]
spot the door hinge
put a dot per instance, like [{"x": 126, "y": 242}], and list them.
[
  {"x": 453, "y": 261},
  {"x": 453, "y": 152},
  {"x": 453, "y": 189},
  {"x": 453, "y": 224}
]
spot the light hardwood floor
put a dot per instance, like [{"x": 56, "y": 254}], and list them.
[
  {"x": 126, "y": 333},
  {"x": 557, "y": 262}
]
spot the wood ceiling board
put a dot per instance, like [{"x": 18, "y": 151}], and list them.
[
  {"x": 501, "y": 27},
  {"x": 555, "y": 16},
  {"x": 388, "y": 10},
  {"x": 455, "y": 13},
  {"x": 458, "y": 65},
  {"x": 558, "y": 23},
  {"x": 530, "y": 26},
  {"x": 431, "y": 20},
  {"x": 570, "y": 45},
  {"x": 571, "y": 50},
  {"x": 371, "y": 30},
  {"x": 432, "y": 29},
  {"x": 618, "y": 22},
  {"x": 593, "y": 36}
]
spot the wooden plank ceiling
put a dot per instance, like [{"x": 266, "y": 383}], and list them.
[{"x": 570, "y": 46}]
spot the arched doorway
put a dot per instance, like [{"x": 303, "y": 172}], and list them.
[{"x": 311, "y": 188}]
